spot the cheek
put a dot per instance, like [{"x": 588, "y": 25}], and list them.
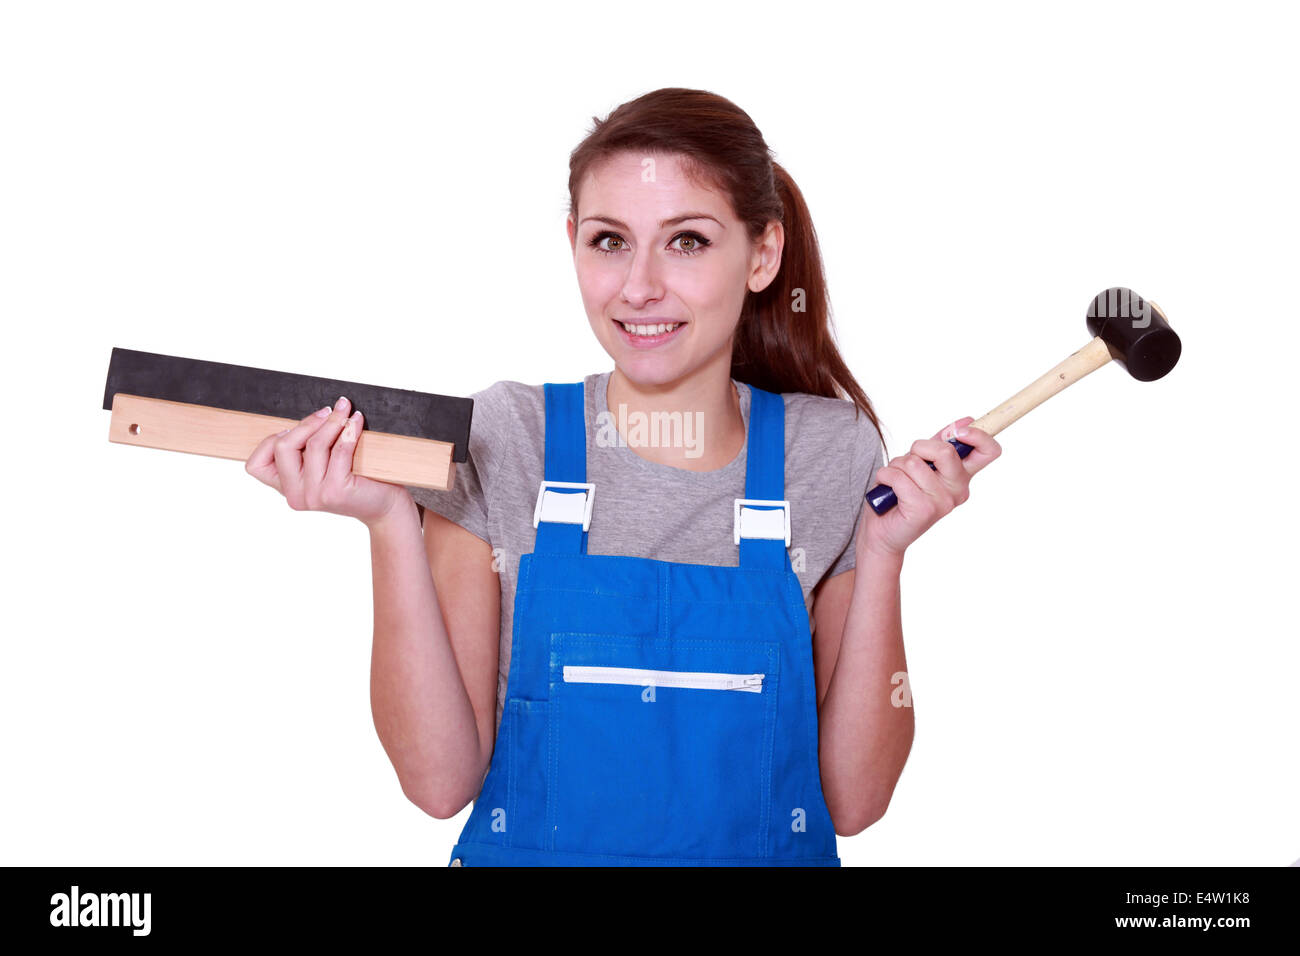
[
  {"x": 718, "y": 289},
  {"x": 598, "y": 283}
]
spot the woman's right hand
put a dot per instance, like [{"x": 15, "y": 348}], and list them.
[{"x": 311, "y": 465}]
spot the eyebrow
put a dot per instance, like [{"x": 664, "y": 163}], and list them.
[{"x": 685, "y": 217}]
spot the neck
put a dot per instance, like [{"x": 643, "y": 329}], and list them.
[{"x": 693, "y": 423}]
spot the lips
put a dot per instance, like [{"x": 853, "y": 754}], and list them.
[
  {"x": 649, "y": 341},
  {"x": 650, "y": 322}
]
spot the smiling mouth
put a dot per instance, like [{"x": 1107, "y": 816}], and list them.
[
  {"x": 648, "y": 335},
  {"x": 649, "y": 330}
]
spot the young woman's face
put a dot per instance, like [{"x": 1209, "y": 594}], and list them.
[{"x": 653, "y": 249}]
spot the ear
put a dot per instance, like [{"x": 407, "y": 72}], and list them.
[
  {"x": 765, "y": 262},
  {"x": 571, "y": 227}
]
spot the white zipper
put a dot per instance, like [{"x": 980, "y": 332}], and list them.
[{"x": 705, "y": 680}]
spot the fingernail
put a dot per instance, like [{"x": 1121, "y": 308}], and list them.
[
  {"x": 323, "y": 412},
  {"x": 963, "y": 431},
  {"x": 338, "y": 406}
]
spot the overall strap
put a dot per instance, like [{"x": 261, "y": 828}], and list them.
[
  {"x": 761, "y": 515},
  {"x": 765, "y": 521},
  {"x": 566, "y": 461}
]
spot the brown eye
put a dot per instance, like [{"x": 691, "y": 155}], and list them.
[
  {"x": 597, "y": 242},
  {"x": 690, "y": 243}
]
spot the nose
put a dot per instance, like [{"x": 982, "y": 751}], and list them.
[{"x": 642, "y": 283}]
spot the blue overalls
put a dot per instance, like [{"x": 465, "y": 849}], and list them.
[{"x": 656, "y": 714}]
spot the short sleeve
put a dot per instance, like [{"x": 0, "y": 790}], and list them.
[
  {"x": 466, "y": 501},
  {"x": 868, "y": 458}
]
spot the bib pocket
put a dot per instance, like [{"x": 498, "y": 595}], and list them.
[{"x": 661, "y": 748}]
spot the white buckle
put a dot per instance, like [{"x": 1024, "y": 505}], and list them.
[
  {"x": 763, "y": 523},
  {"x": 564, "y": 508}
]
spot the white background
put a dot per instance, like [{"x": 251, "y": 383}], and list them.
[{"x": 1101, "y": 641}]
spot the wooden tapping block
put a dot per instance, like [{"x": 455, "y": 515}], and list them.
[{"x": 224, "y": 411}]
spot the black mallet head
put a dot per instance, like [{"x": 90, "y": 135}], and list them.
[{"x": 1136, "y": 332}]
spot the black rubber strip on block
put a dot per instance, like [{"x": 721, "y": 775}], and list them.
[{"x": 398, "y": 411}]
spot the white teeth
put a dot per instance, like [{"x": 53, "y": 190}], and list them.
[{"x": 650, "y": 329}]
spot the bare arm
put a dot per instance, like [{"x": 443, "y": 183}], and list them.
[
  {"x": 437, "y": 610},
  {"x": 434, "y": 663},
  {"x": 857, "y": 649},
  {"x": 864, "y": 702}
]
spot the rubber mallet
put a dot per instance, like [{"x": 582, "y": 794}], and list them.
[
  {"x": 1125, "y": 327},
  {"x": 224, "y": 411}
]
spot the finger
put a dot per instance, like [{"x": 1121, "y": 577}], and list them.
[
  {"x": 902, "y": 483},
  {"x": 925, "y": 477},
  {"x": 261, "y": 463},
  {"x": 316, "y": 455},
  {"x": 339, "y": 474},
  {"x": 946, "y": 460},
  {"x": 951, "y": 469},
  {"x": 288, "y": 456},
  {"x": 950, "y": 431},
  {"x": 986, "y": 449}
]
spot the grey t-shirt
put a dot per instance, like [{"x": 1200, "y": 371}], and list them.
[{"x": 650, "y": 510}]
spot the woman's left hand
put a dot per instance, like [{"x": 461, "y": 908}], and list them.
[{"x": 925, "y": 495}]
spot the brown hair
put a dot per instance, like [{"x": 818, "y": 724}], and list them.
[{"x": 777, "y": 348}]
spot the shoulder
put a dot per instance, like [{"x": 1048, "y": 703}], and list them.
[
  {"x": 514, "y": 407},
  {"x": 503, "y": 407},
  {"x": 832, "y": 436},
  {"x": 504, "y": 393},
  {"x": 827, "y": 424}
]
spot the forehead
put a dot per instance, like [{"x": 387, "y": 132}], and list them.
[{"x": 643, "y": 188}]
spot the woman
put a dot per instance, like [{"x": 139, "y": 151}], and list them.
[{"x": 570, "y": 662}]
